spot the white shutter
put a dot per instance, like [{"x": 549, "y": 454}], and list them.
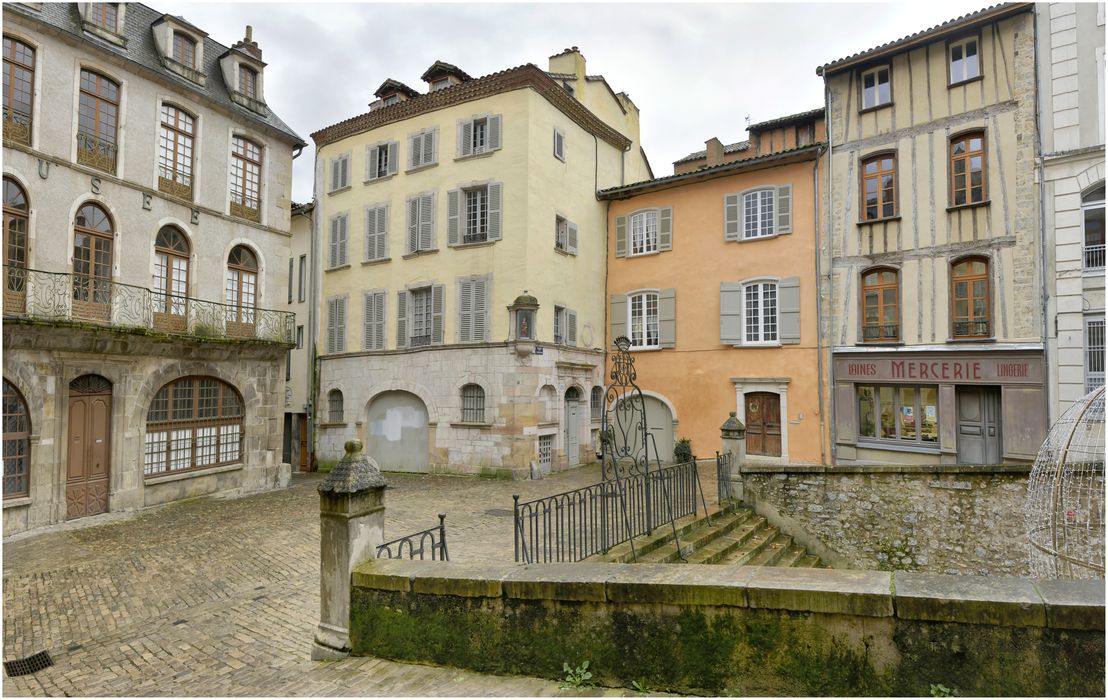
[
  {"x": 465, "y": 310},
  {"x": 436, "y": 313},
  {"x": 340, "y": 327},
  {"x": 494, "y": 210},
  {"x": 334, "y": 174},
  {"x": 382, "y": 233},
  {"x": 369, "y": 321},
  {"x": 453, "y": 205},
  {"x": 371, "y": 162},
  {"x": 415, "y": 150},
  {"x": 394, "y": 156},
  {"x": 572, "y": 237},
  {"x": 402, "y": 318},
  {"x": 333, "y": 258},
  {"x": 732, "y": 217},
  {"x": 413, "y": 224},
  {"x": 331, "y": 313},
  {"x": 371, "y": 233},
  {"x": 571, "y": 327},
  {"x": 344, "y": 167},
  {"x": 465, "y": 138},
  {"x": 493, "y": 135},
  {"x": 342, "y": 239},
  {"x": 480, "y": 309},
  {"x": 430, "y": 146},
  {"x": 427, "y": 222}
]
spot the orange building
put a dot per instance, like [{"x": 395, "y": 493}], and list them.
[{"x": 712, "y": 275}]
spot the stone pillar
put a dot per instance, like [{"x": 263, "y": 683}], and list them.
[
  {"x": 351, "y": 526},
  {"x": 732, "y": 438}
]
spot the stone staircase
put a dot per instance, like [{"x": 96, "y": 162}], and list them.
[{"x": 737, "y": 536}]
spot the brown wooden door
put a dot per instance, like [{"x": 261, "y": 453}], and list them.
[
  {"x": 88, "y": 468},
  {"x": 763, "y": 424},
  {"x": 303, "y": 425}
]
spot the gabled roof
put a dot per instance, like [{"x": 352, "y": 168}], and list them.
[
  {"x": 989, "y": 14},
  {"x": 727, "y": 148},
  {"x": 391, "y": 87},
  {"x": 143, "y": 53},
  {"x": 785, "y": 121},
  {"x": 526, "y": 76},
  {"x": 441, "y": 68},
  {"x": 803, "y": 153}
]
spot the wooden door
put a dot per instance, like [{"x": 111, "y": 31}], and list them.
[
  {"x": 89, "y": 459},
  {"x": 303, "y": 432},
  {"x": 763, "y": 424}
]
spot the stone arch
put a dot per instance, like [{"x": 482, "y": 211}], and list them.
[
  {"x": 175, "y": 370},
  {"x": 398, "y": 432},
  {"x": 478, "y": 380},
  {"x": 412, "y": 388},
  {"x": 30, "y": 387}
]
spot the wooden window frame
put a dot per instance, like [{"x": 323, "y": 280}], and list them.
[
  {"x": 17, "y": 123},
  {"x": 645, "y": 316},
  {"x": 184, "y": 47},
  {"x": 97, "y": 304},
  {"x": 880, "y": 288},
  {"x": 16, "y": 219},
  {"x": 99, "y": 14},
  {"x": 174, "y": 319},
  {"x": 962, "y": 41},
  {"x": 966, "y": 136},
  {"x": 96, "y": 147},
  {"x": 248, "y": 81},
  {"x": 177, "y": 132},
  {"x": 243, "y": 164},
  {"x": 18, "y": 440},
  {"x": 895, "y": 171},
  {"x": 888, "y": 67},
  {"x": 917, "y": 407},
  {"x": 969, "y": 279},
  {"x": 241, "y": 311},
  {"x": 193, "y": 423},
  {"x": 473, "y": 403}
]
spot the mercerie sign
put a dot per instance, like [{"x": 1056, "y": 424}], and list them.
[{"x": 945, "y": 370}]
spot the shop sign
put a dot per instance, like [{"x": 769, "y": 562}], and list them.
[{"x": 942, "y": 370}]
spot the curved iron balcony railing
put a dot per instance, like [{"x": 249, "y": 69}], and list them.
[{"x": 56, "y": 296}]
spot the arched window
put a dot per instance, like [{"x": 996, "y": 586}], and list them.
[
  {"x": 242, "y": 291},
  {"x": 15, "y": 247},
  {"x": 1092, "y": 206},
  {"x": 473, "y": 404},
  {"x": 968, "y": 169},
  {"x": 92, "y": 263},
  {"x": 19, "y": 82},
  {"x": 879, "y": 187},
  {"x": 184, "y": 50},
  {"x": 98, "y": 121},
  {"x": 171, "y": 278},
  {"x": 193, "y": 423},
  {"x": 969, "y": 295},
  {"x": 175, "y": 152},
  {"x": 246, "y": 179},
  {"x": 17, "y": 443},
  {"x": 334, "y": 406},
  {"x": 880, "y": 306},
  {"x": 597, "y": 402}
]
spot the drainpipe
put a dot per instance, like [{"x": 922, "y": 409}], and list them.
[
  {"x": 309, "y": 408},
  {"x": 819, "y": 334},
  {"x": 1044, "y": 294},
  {"x": 827, "y": 101}
]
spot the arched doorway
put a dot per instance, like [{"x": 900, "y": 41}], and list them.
[
  {"x": 659, "y": 426},
  {"x": 88, "y": 465},
  {"x": 171, "y": 279},
  {"x": 571, "y": 427},
  {"x": 397, "y": 432}
]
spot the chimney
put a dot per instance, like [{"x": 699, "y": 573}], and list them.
[
  {"x": 714, "y": 150},
  {"x": 569, "y": 61},
  {"x": 249, "y": 45}
]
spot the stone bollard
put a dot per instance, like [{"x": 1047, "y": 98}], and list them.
[
  {"x": 732, "y": 437},
  {"x": 351, "y": 526}
]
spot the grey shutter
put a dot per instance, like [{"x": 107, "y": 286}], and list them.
[
  {"x": 427, "y": 222},
  {"x": 371, "y": 163},
  {"x": 369, "y": 322},
  {"x": 413, "y": 224},
  {"x": 788, "y": 311},
  {"x": 480, "y": 309},
  {"x": 345, "y": 171},
  {"x": 431, "y": 146},
  {"x": 394, "y": 156},
  {"x": 665, "y": 228},
  {"x": 453, "y": 205},
  {"x": 331, "y": 311},
  {"x": 436, "y": 314},
  {"x": 415, "y": 150},
  {"x": 402, "y": 318},
  {"x": 465, "y": 310},
  {"x": 292, "y": 269},
  {"x": 380, "y": 305},
  {"x": 621, "y": 236},
  {"x": 494, "y": 132},
  {"x": 571, "y": 327},
  {"x": 618, "y": 315},
  {"x": 572, "y": 237},
  {"x": 731, "y": 217},
  {"x": 667, "y": 318},
  {"x": 333, "y": 258},
  {"x": 342, "y": 239},
  {"x": 371, "y": 233},
  {"x": 730, "y": 313},
  {"x": 340, "y": 326},
  {"x": 382, "y": 233},
  {"x": 465, "y": 138},
  {"x": 784, "y": 209},
  {"x": 335, "y": 174},
  {"x": 495, "y": 207}
]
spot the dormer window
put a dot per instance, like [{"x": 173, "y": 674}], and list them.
[
  {"x": 391, "y": 100},
  {"x": 248, "y": 82},
  {"x": 440, "y": 84},
  {"x": 184, "y": 50},
  {"x": 104, "y": 15}
]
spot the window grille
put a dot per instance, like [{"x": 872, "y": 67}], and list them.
[
  {"x": 334, "y": 406},
  {"x": 421, "y": 317},
  {"x": 1094, "y": 354},
  {"x": 546, "y": 452},
  {"x": 473, "y": 404},
  {"x": 597, "y": 402}
]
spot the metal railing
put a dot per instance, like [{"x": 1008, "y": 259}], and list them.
[
  {"x": 17, "y": 126},
  {"x": 725, "y": 490},
  {"x": 575, "y": 525},
  {"x": 57, "y": 296},
  {"x": 971, "y": 329},
  {"x": 881, "y": 331},
  {"x": 428, "y": 544},
  {"x": 1094, "y": 257},
  {"x": 96, "y": 152}
]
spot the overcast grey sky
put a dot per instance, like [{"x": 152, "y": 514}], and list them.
[{"x": 694, "y": 70}]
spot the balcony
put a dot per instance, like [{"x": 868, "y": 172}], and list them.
[
  {"x": 1094, "y": 257},
  {"x": 245, "y": 207},
  {"x": 175, "y": 183},
  {"x": 881, "y": 332},
  {"x": 63, "y": 297},
  {"x": 17, "y": 126},
  {"x": 96, "y": 153},
  {"x": 971, "y": 329}
]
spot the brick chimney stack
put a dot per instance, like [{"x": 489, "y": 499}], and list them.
[
  {"x": 714, "y": 150},
  {"x": 249, "y": 45}
]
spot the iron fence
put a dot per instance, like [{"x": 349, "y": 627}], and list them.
[
  {"x": 724, "y": 488},
  {"x": 431, "y": 541},
  {"x": 56, "y": 296},
  {"x": 575, "y": 525}
]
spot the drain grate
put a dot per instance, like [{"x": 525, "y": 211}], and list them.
[{"x": 32, "y": 664}]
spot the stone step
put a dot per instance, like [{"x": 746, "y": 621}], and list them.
[
  {"x": 791, "y": 555},
  {"x": 716, "y": 550},
  {"x": 808, "y": 561},
  {"x": 751, "y": 548},
  {"x": 694, "y": 539},
  {"x": 647, "y": 547},
  {"x": 772, "y": 552}
]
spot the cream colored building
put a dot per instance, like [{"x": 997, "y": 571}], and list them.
[
  {"x": 935, "y": 306},
  {"x": 461, "y": 308},
  {"x": 1070, "y": 50},
  {"x": 146, "y": 229}
]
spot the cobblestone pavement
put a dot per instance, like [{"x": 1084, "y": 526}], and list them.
[{"x": 220, "y": 596}]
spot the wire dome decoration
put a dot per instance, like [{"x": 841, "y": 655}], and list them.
[{"x": 1064, "y": 511}]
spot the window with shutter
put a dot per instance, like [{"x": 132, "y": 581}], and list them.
[
  {"x": 731, "y": 223},
  {"x": 340, "y": 172},
  {"x": 374, "y": 321},
  {"x": 480, "y": 309},
  {"x": 559, "y": 325},
  {"x": 422, "y": 148},
  {"x": 644, "y": 232},
  {"x": 421, "y": 317},
  {"x": 760, "y": 312},
  {"x": 559, "y": 145},
  {"x": 758, "y": 214},
  {"x": 571, "y": 327},
  {"x": 337, "y": 257},
  {"x": 421, "y": 222},
  {"x": 561, "y": 234},
  {"x": 437, "y": 304},
  {"x": 336, "y": 324},
  {"x": 402, "y": 324},
  {"x": 472, "y": 309},
  {"x": 478, "y": 135},
  {"x": 465, "y": 311},
  {"x": 642, "y": 320}
]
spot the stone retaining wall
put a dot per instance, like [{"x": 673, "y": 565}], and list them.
[
  {"x": 738, "y": 630},
  {"x": 940, "y": 519}
]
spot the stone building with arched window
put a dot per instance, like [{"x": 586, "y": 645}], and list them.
[{"x": 145, "y": 330}]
